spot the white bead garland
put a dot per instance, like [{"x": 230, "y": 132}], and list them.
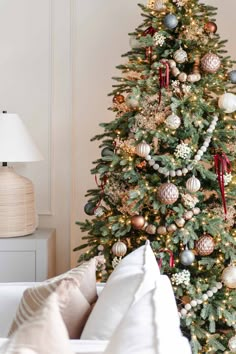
[{"x": 183, "y": 171}]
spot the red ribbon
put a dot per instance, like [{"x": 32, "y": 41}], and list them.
[
  {"x": 150, "y": 30},
  {"x": 171, "y": 263},
  {"x": 102, "y": 185},
  {"x": 222, "y": 165},
  {"x": 164, "y": 78}
]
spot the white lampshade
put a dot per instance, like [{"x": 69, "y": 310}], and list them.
[{"x": 16, "y": 145}]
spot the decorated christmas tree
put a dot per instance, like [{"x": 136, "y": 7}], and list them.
[{"x": 165, "y": 172}]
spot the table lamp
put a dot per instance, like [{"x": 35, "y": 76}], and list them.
[{"x": 17, "y": 201}]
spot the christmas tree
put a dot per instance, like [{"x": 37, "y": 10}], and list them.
[{"x": 165, "y": 167}]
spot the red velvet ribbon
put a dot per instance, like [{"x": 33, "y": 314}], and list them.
[
  {"x": 150, "y": 30},
  {"x": 222, "y": 165},
  {"x": 171, "y": 263},
  {"x": 164, "y": 77},
  {"x": 102, "y": 185}
]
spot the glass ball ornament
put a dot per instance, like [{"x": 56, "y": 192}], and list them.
[
  {"x": 187, "y": 257},
  {"x": 132, "y": 101},
  {"x": 168, "y": 193},
  {"x": 205, "y": 245},
  {"x": 137, "y": 222},
  {"x": 210, "y": 27},
  {"x": 143, "y": 149},
  {"x": 170, "y": 21},
  {"x": 227, "y": 102},
  {"x": 180, "y": 56},
  {"x": 107, "y": 152},
  {"x": 229, "y": 277},
  {"x": 89, "y": 208},
  {"x": 232, "y": 344},
  {"x": 232, "y": 76},
  {"x": 210, "y": 63},
  {"x": 193, "y": 184},
  {"x": 119, "y": 249},
  {"x": 173, "y": 121}
]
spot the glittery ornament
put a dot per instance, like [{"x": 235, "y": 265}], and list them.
[
  {"x": 159, "y": 5},
  {"x": 193, "y": 184},
  {"x": 227, "y": 102},
  {"x": 187, "y": 257},
  {"x": 158, "y": 39},
  {"x": 151, "y": 229},
  {"x": 232, "y": 76},
  {"x": 188, "y": 215},
  {"x": 173, "y": 121},
  {"x": 132, "y": 101},
  {"x": 229, "y": 277},
  {"x": 210, "y": 63},
  {"x": 137, "y": 222},
  {"x": 205, "y": 245},
  {"x": 232, "y": 344},
  {"x": 210, "y": 27},
  {"x": 118, "y": 99},
  {"x": 170, "y": 21},
  {"x": 180, "y": 56},
  {"x": 119, "y": 249},
  {"x": 143, "y": 149},
  {"x": 168, "y": 193}
]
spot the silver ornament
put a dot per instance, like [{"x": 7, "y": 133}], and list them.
[
  {"x": 132, "y": 101},
  {"x": 210, "y": 63},
  {"x": 119, "y": 249},
  {"x": 180, "y": 222},
  {"x": 180, "y": 56},
  {"x": 193, "y": 184},
  {"x": 168, "y": 193},
  {"x": 187, "y": 257},
  {"x": 232, "y": 76},
  {"x": 227, "y": 102},
  {"x": 232, "y": 344},
  {"x": 229, "y": 277},
  {"x": 170, "y": 21},
  {"x": 173, "y": 121},
  {"x": 143, "y": 149}
]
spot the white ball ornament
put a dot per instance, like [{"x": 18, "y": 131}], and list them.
[
  {"x": 170, "y": 21},
  {"x": 183, "y": 312},
  {"x": 193, "y": 303},
  {"x": 143, "y": 149},
  {"x": 232, "y": 344},
  {"x": 180, "y": 56},
  {"x": 204, "y": 297},
  {"x": 119, "y": 249},
  {"x": 188, "y": 307},
  {"x": 132, "y": 101},
  {"x": 196, "y": 211},
  {"x": 173, "y": 121},
  {"x": 180, "y": 222},
  {"x": 227, "y": 102},
  {"x": 193, "y": 184},
  {"x": 229, "y": 277},
  {"x": 209, "y": 293}
]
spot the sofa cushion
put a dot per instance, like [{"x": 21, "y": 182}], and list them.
[
  {"x": 81, "y": 284},
  {"x": 151, "y": 325},
  {"x": 43, "y": 333},
  {"x": 132, "y": 278}
]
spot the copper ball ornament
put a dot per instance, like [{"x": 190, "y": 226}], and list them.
[
  {"x": 205, "y": 245},
  {"x": 210, "y": 27},
  {"x": 168, "y": 193},
  {"x": 118, "y": 99},
  {"x": 119, "y": 249},
  {"x": 137, "y": 222},
  {"x": 210, "y": 63},
  {"x": 229, "y": 277}
]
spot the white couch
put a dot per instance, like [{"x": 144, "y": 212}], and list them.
[{"x": 10, "y": 295}]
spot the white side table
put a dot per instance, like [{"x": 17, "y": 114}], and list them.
[{"x": 28, "y": 258}]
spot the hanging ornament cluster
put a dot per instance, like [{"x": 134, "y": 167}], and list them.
[
  {"x": 210, "y": 63},
  {"x": 229, "y": 276},
  {"x": 168, "y": 193},
  {"x": 193, "y": 184},
  {"x": 227, "y": 102},
  {"x": 170, "y": 21},
  {"x": 205, "y": 245}
]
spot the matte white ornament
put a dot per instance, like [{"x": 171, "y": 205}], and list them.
[
  {"x": 171, "y": 228},
  {"x": 196, "y": 211},
  {"x": 227, "y": 102},
  {"x": 193, "y": 303},
  {"x": 143, "y": 149},
  {"x": 173, "y": 121},
  {"x": 193, "y": 184},
  {"x": 119, "y": 249},
  {"x": 188, "y": 215},
  {"x": 204, "y": 297},
  {"x": 180, "y": 56},
  {"x": 229, "y": 277},
  {"x": 188, "y": 307}
]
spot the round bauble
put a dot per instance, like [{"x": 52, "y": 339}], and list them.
[
  {"x": 182, "y": 77},
  {"x": 205, "y": 245},
  {"x": 132, "y": 101},
  {"x": 161, "y": 230},
  {"x": 227, "y": 102},
  {"x": 232, "y": 344},
  {"x": 168, "y": 193},
  {"x": 180, "y": 222},
  {"x": 175, "y": 71},
  {"x": 193, "y": 184},
  {"x": 210, "y": 63},
  {"x": 196, "y": 211},
  {"x": 151, "y": 229},
  {"x": 232, "y": 76},
  {"x": 118, "y": 99},
  {"x": 188, "y": 215},
  {"x": 187, "y": 257},
  {"x": 107, "y": 152},
  {"x": 89, "y": 208},
  {"x": 229, "y": 277},
  {"x": 210, "y": 27},
  {"x": 171, "y": 228},
  {"x": 137, "y": 222},
  {"x": 119, "y": 249},
  {"x": 180, "y": 56},
  {"x": 173, "y": 121},
  {"x": 170, "y": 21},
  {"x": 143, "y": 149}
]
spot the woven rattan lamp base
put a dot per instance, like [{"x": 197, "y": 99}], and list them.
[{"x": 17, "y": 204}]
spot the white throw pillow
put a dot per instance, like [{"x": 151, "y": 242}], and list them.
[
  {"x": 151, "y": 325},
  {"x": 132, "y": 278}
]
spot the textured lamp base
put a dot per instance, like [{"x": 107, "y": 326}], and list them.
[{"x": 17, "y": 204}]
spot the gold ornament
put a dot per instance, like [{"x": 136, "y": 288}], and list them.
[
  {"x": 119, "y": 249},
  {"x": 137, "y": 222},
  {"x": 210, "y": 63},
  {"x": 168, "y": 193},
  {"x": 205, "y": 245}
]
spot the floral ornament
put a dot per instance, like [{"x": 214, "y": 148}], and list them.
[
  {"x": 182, "y": 151},
  {"x": 231, "y": 213},
  {"x": 181, "y": 278},
  {"x": 158, "y": 39},
  {"x": 127, "y": 146}
]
